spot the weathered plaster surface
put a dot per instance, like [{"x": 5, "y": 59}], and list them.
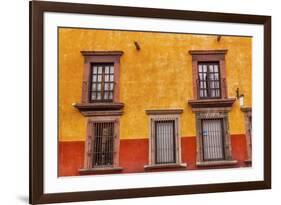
[{"x": 157, "y": 76}]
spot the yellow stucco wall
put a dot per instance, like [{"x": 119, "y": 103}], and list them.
[{"x": 157, "y": 76}]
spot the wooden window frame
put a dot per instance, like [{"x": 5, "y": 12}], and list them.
[
  {"x": 88, "y": 155},
  {"x": 92, "y": 57},
  {"x": 201, "y": 56},
  {"x": 37, "y": 193},
  {"x": 213, "y": 113},
  {"x": 159, "y": 115},
  {"x": 208, "y": 89},
  {"x": 102, "y": 84}
]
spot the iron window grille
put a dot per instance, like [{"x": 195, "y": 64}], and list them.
[
  {"x": 250, "y": 128},
  {"x": 212, "y": 133},
  {"x": 209, "y": 82},
  {"x": 250, "y": 133},
  {"x": 165, "y": 142},
  {"x": 102, "y": 82},
  {"x": 103, "y": 144}
]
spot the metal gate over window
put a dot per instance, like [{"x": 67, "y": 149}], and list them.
[
  {"x": 250, "y": 128},
  {"x": 103, "y": 146},
  {"x": 165, "y": 149},
  {"x": 250, "y": 131},
  {"x": 212, "y": 139}
]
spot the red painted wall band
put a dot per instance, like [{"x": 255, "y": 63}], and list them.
[
  {"x": 133, "y": 154},
  {"x": 71, "y": 158}
]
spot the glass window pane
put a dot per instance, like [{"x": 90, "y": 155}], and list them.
[
  {"x": 94, "y": 79},
  {"x": 112, "y": 69},
  {"x": 105, "y": 95},
  {"x": 217, "y": 84},
  {"x": 106, "y": 78},
  {"x": 100, "y": 69},
  {"x": 110, "y": 96},
  {"x": 98, "y": 95},
  {"x": 99, "y": 78},
  {"x": 106, "y": 86},
  {"x": 111, "y": 86},
  {"x": 94, "y": 87},
  {"x": 216, "y": 68},
  {"x": 95, "y": 70},
  {"x": 211, "y": 68},
  {"x": 111, "y": 78},
  {"x": 106, "y": 69},
  {"x": 204, "y": 76},
  {"x": 217, "y": 92},
  {"x": 99, "y": 87},
  {"x": 216, "y": 76},
  {"x": 204, "y": 68},
  {"x": 205, "y": 93},
  {"x": 93, "y": 96}
]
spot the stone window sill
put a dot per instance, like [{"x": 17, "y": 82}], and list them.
[
  {"x": 248, "y": 161},
  {"x": 164, "y": 166},
  {"x": 216, "y": 163},
  {"x": 228, "y": 102},
  {"x": 104, "y": 170},
  {"x": 100, "y": 109},
  {"x": 98, "y": 106}
]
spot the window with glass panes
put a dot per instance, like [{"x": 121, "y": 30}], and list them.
[
  {"x": 208, "y": 83},
  {"x": 102, "y": 82}
]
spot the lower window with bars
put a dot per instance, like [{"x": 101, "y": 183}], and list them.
[
  {"x": 103, "y": 144},
  {"x": 212, "y": 133},
  {"x": 164, "y": 141}
]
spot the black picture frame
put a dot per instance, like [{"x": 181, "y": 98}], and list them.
[{"x": 37, "y": 9}]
